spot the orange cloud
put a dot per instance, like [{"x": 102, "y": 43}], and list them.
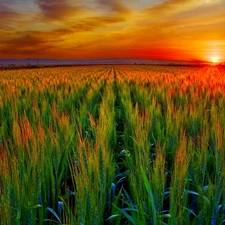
[
  {"x": 41, "y": 42},
  {"x": 168, "y": 8},
  {"x": 92, "y": 23}
]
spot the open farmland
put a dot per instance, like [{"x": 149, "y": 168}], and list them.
[{"x": 112, "y": 145}]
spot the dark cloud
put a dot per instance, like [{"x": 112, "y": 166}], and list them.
[
  {"x": 30, "y": 42},
  {"x": 7, "y": 15},
  {"x": 57, "y": 9},
  {"x": 114, "y": 5}
]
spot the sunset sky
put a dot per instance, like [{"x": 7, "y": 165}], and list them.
[{"x": 98, "y": 29}]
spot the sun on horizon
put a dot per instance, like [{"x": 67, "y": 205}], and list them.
[{"x": 215, "y": 59}]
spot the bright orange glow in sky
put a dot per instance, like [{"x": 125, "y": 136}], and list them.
[{"x": 98, "y": 29}]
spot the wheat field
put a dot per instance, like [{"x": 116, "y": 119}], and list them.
[{"x": 89, "y": 145}]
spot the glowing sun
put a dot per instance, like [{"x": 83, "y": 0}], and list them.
[{"x": 215, "y": 59}]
